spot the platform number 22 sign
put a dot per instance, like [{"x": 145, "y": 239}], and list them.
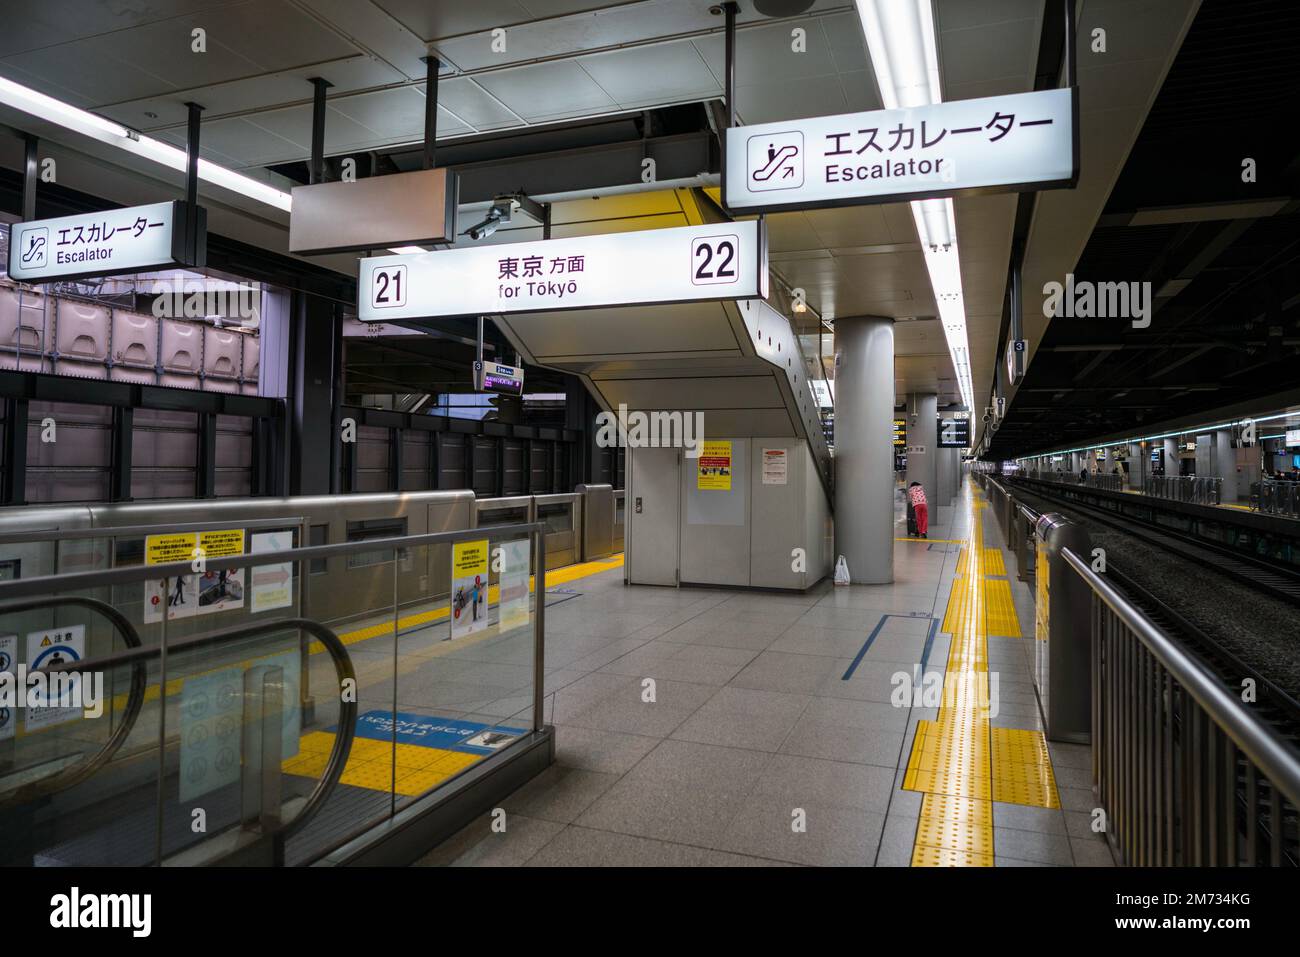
[
  {"x": 715, "y": 259},
  {"x": 388, "y": 287}
]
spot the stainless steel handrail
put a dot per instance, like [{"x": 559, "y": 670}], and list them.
[
  {"x": 130, "y": 531},
  {"x": 1279, "y": 762},
  {"x": 23, "y": 587}
]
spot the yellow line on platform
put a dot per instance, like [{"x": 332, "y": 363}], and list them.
[{"x": 959, "y": 761}]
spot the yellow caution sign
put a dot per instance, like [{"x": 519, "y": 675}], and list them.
[
  {"x": 222, "y": 543},
  {"x": 713, "y": 467},
  {"x": 173, "y": 547},
  {"x": 469, "y": 558}
]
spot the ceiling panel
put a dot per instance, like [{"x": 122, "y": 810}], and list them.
[
  {"x": 30, "y": 24},
  {"x": 653, "y": 75},
  {"x": 548, "y": 90},
  {"x": 431, "y": 19},
  {"x": 254, "y": 93}
]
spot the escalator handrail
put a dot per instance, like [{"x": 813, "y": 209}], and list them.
[
  {"x": 75, "y": 774},
  {"x": 138, "y": 654},
  {"x": 347, "y": 720}
]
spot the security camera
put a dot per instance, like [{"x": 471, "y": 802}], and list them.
[
  {"x": 988, "y": 417},
  {"x": 484, "y": 229},
  {"x": 502, "y": 208}
]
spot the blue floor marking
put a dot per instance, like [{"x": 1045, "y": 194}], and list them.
[
  {"x": 862, "y": 652},
  {"x": 929, "y": 643}
]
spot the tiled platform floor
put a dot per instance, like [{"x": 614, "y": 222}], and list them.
[{"x": 760, "y": 713}]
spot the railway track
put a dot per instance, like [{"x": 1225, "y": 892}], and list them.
[{"x": 1275, "y": 704}]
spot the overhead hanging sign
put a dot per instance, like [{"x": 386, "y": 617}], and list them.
[
  {"x": 1015, "y": 349},
  {"x": 993, "y": 144},
  {"x": 954, "y": 430},
  {"x": 651, "y": 266},
  {"x": 496, "y": 377},
  {"x": 401, "y": 209},
  {"x": 112, "y": 242}
]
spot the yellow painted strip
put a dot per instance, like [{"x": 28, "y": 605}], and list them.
[{"x": 993, "y": 563}]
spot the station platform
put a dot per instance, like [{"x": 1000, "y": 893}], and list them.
[{"x": 766, "y": 705}]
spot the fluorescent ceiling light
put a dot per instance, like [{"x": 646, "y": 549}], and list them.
[
  {"x": 407, "y": 250},
  {"x": 905, "y": 59},
  {"x": 106, "y": 131}
]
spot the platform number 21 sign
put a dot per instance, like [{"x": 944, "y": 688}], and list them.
[{"x": 388, "y": 287}]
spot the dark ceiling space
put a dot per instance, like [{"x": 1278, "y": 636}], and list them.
[{"x": 1222, "y": 255}]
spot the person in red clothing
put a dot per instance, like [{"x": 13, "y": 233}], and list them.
[{"x": 916, "y": 495}]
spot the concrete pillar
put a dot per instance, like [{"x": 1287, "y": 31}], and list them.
[
  {"x": 1139, "y": 465},
  {"x": 1171, "y": 458},
  {"x": 949, "y": 468},
  {"x": 864, "y": 447},
  {"x": 922, "y": 434},
  {"x": 1225, "y": 463},
  {"x": 1205, "y": 455}
]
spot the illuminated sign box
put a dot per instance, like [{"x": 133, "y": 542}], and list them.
[
  {"x": 496, "y": 377},
  {"x": 401, "y": 209},
  {"x": 994, "y": 144},
  {"x": 648, "y": 267},
  {"x": 954, "y": 431},
  {"x": 109, "y": 243}
]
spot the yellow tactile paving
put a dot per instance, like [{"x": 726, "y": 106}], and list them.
[
  {"x": 1022, "y": 768},
  {"x": 960, "y": 761},
  {"x": 1001, "y": 610},
  {"x": 371, "y": 763}
]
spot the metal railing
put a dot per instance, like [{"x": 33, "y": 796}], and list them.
[
  {"x": 1186, "y": 773},
  {"x": 1195, "y": 489},
  {"x": 1276, "y": 498},
  {"x": 1110, "y": 482}
]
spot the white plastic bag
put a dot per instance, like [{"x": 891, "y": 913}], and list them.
[{"x": 841, "y": 571}]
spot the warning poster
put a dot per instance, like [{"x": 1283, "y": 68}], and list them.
[
  {"x": 45, "y": 649},
  {"x": 713, "y": 467},
  {"x": 469, "y": 588},
  {"x": 201, "y": 593},
  {"x": 774, "y": 467}
]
